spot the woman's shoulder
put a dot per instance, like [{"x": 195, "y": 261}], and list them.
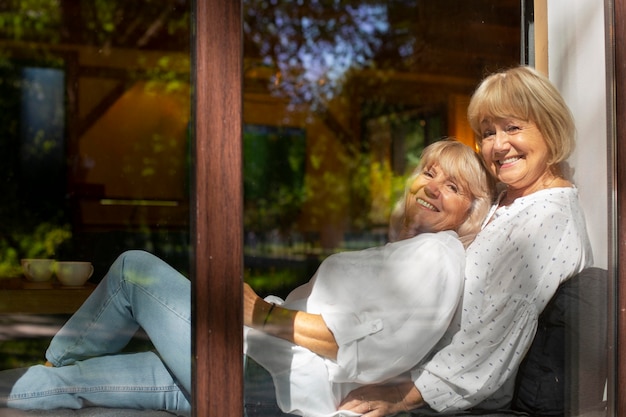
[
  {"x": 558, "y": 207},
  {"x": 431, "y": 245},
  {"x": 557, "y": 192},
  {"x": 557, "y": 199},
  {"x": 445, "y": 237},
  {"x": 564, "y": 200}
]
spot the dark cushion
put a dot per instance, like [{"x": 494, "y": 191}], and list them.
[{"x": 565, "y": 370}]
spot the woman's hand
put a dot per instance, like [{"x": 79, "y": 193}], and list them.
[
  {"x": 255, "y": 309},
  {"x": 383, "y": 400},
  {"x": 304, "y": 329}
]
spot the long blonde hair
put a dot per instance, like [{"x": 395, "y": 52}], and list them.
[{"x": 466, "y": 167}]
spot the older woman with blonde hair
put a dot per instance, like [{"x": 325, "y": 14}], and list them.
[
  {"x": 533, "y": 240},
  {"x": 466, "y": 171},
  {"x": 350, "y": 325}
]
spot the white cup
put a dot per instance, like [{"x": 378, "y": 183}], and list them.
[
  {"x": 37, "y": 270},
  {"x": 73, "y": 274}
]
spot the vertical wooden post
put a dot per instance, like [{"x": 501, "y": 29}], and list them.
[
  {"x": 217, "y": 231},
  {"x": 619, "y": 79},
  {"x": 541, "y": 35}
]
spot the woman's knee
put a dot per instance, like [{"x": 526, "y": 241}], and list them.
[
  {"x": 143, "y": 268},
  {"x": 132, "y": 265},
  {"x": 136, "y": 256}
]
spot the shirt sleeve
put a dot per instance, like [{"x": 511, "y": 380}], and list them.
[
  {"x": 410, "y": 311},
  {"x": 513, "y": 269}
]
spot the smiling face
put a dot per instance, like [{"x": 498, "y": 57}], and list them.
[
  {"x": 435, "y": 202},
  {"x": 517, "y": 153}
]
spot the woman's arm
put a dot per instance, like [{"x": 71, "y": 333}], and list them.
[
  {"x": 383, "y": 400},
  {"x": 303, "y": 329}
]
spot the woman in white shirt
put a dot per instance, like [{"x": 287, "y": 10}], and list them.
[
  {"x": 534, "y": 238},
  {"x": 366, "y": 305}
]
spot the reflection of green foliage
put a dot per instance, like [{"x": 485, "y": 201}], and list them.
[
  {"x": 273, "y": 177},
  {"x": 104, "y": 17},
  {"x": 22, "y": 353},
  {"x": 97, "y": 22},
  {"x": 269, "y": 281},
  {"x": 28, "y": 19},
  {"x": 367, "y": 178},
  {"x": 361, "y": 196},
  {"x": 43, "y": 242},
  {"x": 279, "y": 280}
]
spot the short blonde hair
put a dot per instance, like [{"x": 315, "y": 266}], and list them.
[
  {"x": 524, "y": 93},
  {"x": 465, "y": 167}
]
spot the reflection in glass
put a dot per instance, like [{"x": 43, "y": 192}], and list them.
[
  {"x": 94, "y": 144},
  {"x": 368, "y": 84}
]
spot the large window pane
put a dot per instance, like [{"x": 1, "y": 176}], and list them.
[
  {"x": 94, "y": 148},
  {"x": 339, "y": 100}
]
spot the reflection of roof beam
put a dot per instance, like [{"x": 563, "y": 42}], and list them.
[
  {"x": 138, "y": 202},
  {"x": 101, "y": 108},
  {"x": 108, "y": 72},
  {"x": 127, "y": 73},
  {"x": 155, "y": 26},
  {"x": 416, "y": 77}
]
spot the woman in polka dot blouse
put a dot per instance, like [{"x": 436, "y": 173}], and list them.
[{"x": 533, "y": 239}]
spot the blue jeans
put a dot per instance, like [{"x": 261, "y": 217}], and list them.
[{"x": 139, "y": 290}]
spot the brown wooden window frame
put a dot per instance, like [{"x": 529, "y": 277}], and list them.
[{"x": 217, "y": 220}]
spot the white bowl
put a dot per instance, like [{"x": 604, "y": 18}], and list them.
[
  {"x": 37, "y": 270},
  {"x": 73, "y": 274}
]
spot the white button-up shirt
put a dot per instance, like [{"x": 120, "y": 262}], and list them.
[{"x": 386, "y": 306}]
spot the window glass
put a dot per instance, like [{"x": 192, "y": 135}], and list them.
[
  {"x": 94, "y": 149},
  {"x": 348, "y": 93},
  {"x": 340, "y": 97}
]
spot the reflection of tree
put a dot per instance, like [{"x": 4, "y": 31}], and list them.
[
  {"x": 137, "y": 23},
  {"x": 30, "y": 20},
  {"x": 105, "y": 23},
  {"x": 313, "y": 48},
  {"x": 48, "y": 34},
  {"x": 311, "y": 51}
]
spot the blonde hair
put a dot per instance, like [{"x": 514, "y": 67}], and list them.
[
  {"x": 465, "y": 167},
  {"x": 525, "y": 94}
]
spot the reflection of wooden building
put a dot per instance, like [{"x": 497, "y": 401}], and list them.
[
  {"x": 127, "y": 108},
  {"x": 454, "y": 44},
  {"x": 424, "y": 73}
]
